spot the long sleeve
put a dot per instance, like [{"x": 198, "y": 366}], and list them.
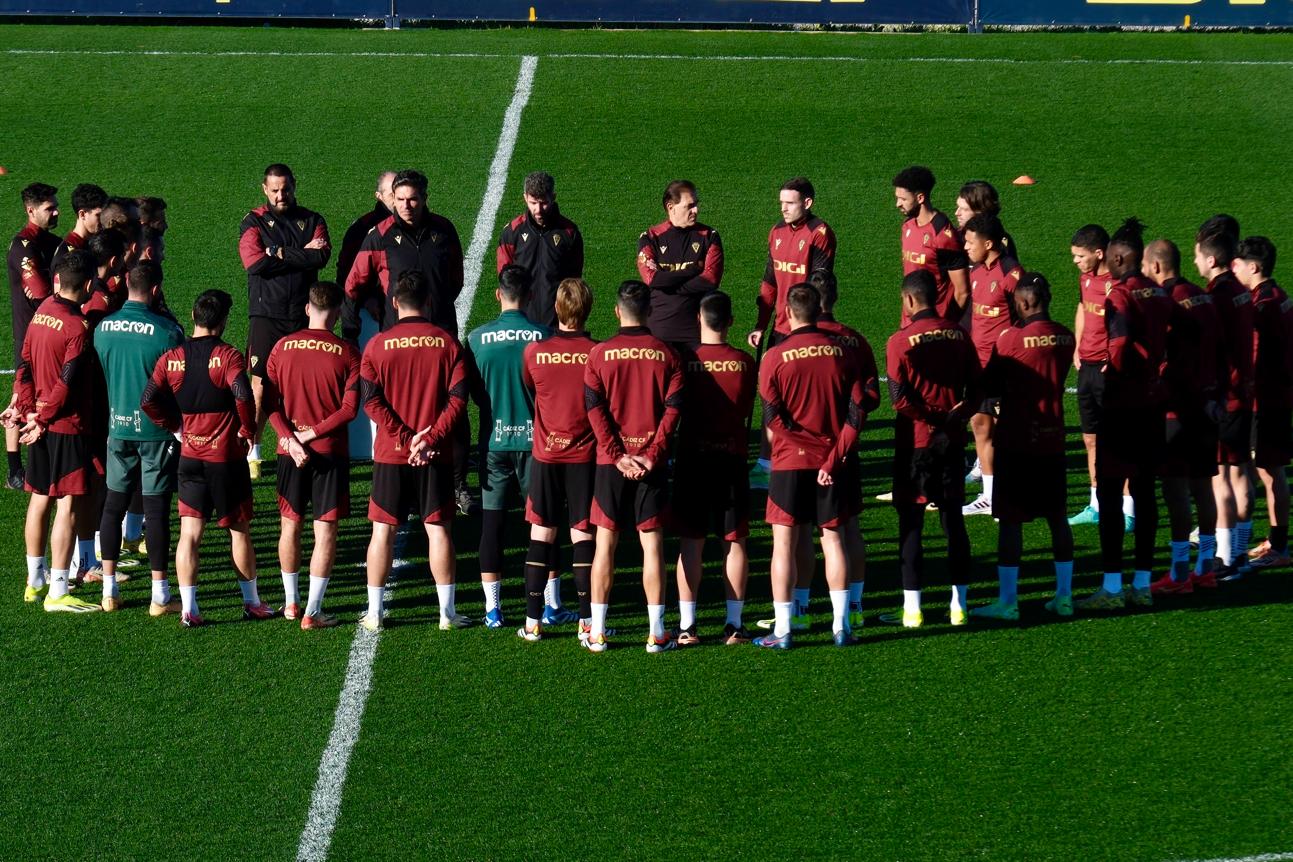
[
  {"x": 599, "y": 414},
  {"x": 73, "y": 356},
  {"x": 457, "y": 403},
  {"x": 349, "y": 408},
  {"x": 669, "y": 419},
  {"x": 158, "y": 399},
  {"x": 848, "y": 437}
]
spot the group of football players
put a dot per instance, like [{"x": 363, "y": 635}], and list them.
[{"x": 646, "y": 432}]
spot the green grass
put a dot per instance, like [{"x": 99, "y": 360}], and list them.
[{"x": 1149, "y": 736}]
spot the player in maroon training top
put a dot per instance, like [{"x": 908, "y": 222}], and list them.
[
  {"x": 992, "y": 285},
  {"x": 1094, "y": 283},
  {"x": 934, "y": 385},
  {"x": 681, "y": 260},
  {"x": 711, "y": 490},
  {"x": 88, "y": 201},
  {"x": 30, "y": 255},
  {"x": 812, "y": 391},
  {"x": 1137, "y": 316},
  {"x": 930, "y": 242},
  {"x": 200, "y": 390},
  {"x": 1193, "y": 371},
  {"x": 545, "y": 243},
  {"x": 855, "y": 345},
  {"x": 50, "y": 410},
  {"x": 633, "y": 393},
  {"x": 980, "y": 197},
  {"x": 311, "y": 394},
  {"x": 798, "y": 246},
  {"x": 1025, "y": 374},
  {"x": 1272, "y": 392},
  {"x": 1214, "y": 250},
  {"x": 414, "y": 387},
  {"x": 564, "y": 456}
]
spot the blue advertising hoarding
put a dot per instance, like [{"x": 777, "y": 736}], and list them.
[{"x": 1128, "y": 13}]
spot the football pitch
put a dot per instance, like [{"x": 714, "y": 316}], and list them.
[{"x": 1159, "y": 735}]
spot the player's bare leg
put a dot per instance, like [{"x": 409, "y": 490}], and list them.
[
  {"x": 653, "y": 585},
  {"x": 1274, "y": 551},
  {"x": 289, "y": 564},
  {"x": 15, "y": 478},
  {"x": 736, "y": 577},
  {"x": 443, "y": 563},
  {"x": 785, "y": 544},
  {"x": 87, "y": 508},
  {"x": 1205, "y": 513},
  {"x": 983, "y": 425},
  {"x": 257, "y": 394},
  {"x": 837, "y": 581},
  {"x": 381, "y": 552},
  {"x": 805, "y": 562},
  {"x": 186, "y": 568},
  {"x": 243, "y": 553},
  {"x": 603, "y": 577},
  {"x": 1176, "y": 496},
  {"x": 321, "y": 560},
  {"x": 690, "y": 564},
  {"x": 855, "y": 552}
]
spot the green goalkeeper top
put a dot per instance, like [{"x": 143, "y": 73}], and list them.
[
  {"x": 497, "y": 350},
  {"x": 129, "y": 344}
]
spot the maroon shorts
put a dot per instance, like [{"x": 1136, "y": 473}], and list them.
[
  {"x": 620, "y": 503},
  {"x": 62, "y": 465},
  {"x": 399, "y": 489},
  {"x": 555, "y": 488},
  {"x": 322, "y": 487},
  {"x": 215, "y": 489}
]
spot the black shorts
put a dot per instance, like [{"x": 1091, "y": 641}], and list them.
[
  {"x": 554, "y": 487},
  {"x": 1130, "y": 442},
  {"x": 262, "y": 334},
  {"x": 215, "y": 489},
  {"x": 620, "y": 503},
  {"x": 322, "y": 487},
  {"x": 399, "y": 489},
  {"x": 795, "y": 498},
  {"x": 990, "y": 407},
  {"x": 1235, "y": 438},
  {"x": 62, "y": 465},
  {"x": 1090, "y": 396},
  {"x": 1191, "y": 446},
  {"x": 1028, "y": 486},
  {"x": 1272, "y": 446},
  {"x": 930, "y": 475},
  {"x": 711, "y": 496}
]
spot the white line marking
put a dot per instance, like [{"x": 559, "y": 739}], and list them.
[
  {"x": 1263, "y": 857},
  {"x": 325, "y": 802},
  {"x": 484, "y": 232},
  {"x": 720, "y": 58}
]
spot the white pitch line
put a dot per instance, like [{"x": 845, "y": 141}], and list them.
[
  {"x": 718, "y": 58},
  {"x": 1262, "y": 857},
  {"x": 325, "y": 802},
  {"x": 484, "y": 231}
]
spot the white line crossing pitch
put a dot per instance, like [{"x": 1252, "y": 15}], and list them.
[
  {"x": 1261, "y": 857},
  {"x": 325, "y": 802}
]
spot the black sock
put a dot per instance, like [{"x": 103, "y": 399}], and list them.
[
  {"x": 536, "y": 578},
  {"x": 583, "y": 568},
  {"x": 15, "y": 462}
]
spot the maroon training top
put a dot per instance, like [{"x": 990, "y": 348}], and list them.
[
  {"x": 718, "y": 396},
  {"x": 633, "y": 393},
  {"x": 312, "y": 382},
  {"x": 1027, "y": 371},
  {"x": 215, "y": 409},
  {"x": 795, "y": 251},
  {"x": 932, "y": 367},
  {"x": 554, "y": 369},
  {"x": 53, "y": 379}
]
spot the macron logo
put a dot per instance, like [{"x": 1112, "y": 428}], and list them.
[
  {"x": 505, "y": 335},
  {"x": 132, "y": 327}
]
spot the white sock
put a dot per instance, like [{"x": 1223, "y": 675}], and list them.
[
  {"x": 1008, "y": 585},
  {"x": 686, "y": 614},
  {"x": 1064, "y": 578},
  {"x": 781, "y": 618},
  {"x": 85, "y": 548},
  {"x": 375, "y": 602},
  {"x": 552, "y": 593},
  {"x": 735, "y": 607},
  {"x": 189, "y": 600},
  {"x": 839, "y": 610},
  {"x": 765, "y": 463},
  {"x": 960, "y": 596},
  {"x": 1207, "y": 553},
  {"x": 1224, "y": 542},
  {"x": 35, "y": 571},
  {"x": 1180, "y": 560},
  {"x": 446, "y": 593},
  {"x": 910, "y": 601},
  {"x": 132, "y": 528},
  {"x": 161, "y": 591},
  {"x": 598, "y": 626},
  {"x": 57, "y": 583},
  {"x": 987, "y": 486},
  {"x": 110, "y": 586},
  {"x": 292, "y": 588},
  {"x": 493, "y": 590},
  {"x": 801, "y": 601},
  {"x": 250, "y": 592},
  {"x": 1243, "y": 533},
  {"x": 1128, "y": 506},
  {"x": 254, "y": 454},
  {"x": 855, "y": 594},
  {"x": 1140, "y": 579},
  {"x": 314, "y": 604},
  {"x": 1095, "y": 501},
  {"x": 1113, "y": 582},
  {"x": 655, "y": 615}
]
